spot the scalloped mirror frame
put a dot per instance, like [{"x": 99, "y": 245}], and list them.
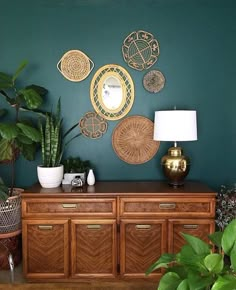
[{"x": 96, "y": 89}]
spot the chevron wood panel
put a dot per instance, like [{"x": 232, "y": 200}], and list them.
[
  {"x": 94, "y": 247},
  {"x": 141, "y": 246},
  {"x": 45, "y": 249},
  {"x": 198, "y": 228}
]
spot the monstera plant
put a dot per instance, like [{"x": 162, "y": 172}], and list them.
[{"x": 18, "y": 132}]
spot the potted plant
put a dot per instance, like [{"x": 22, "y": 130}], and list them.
[
  {"x": 74, "y": 166},
  {"x": 53, "y": 144},
  {"x": 18, "y": 135},
  {"x": 201, "y": 266}
]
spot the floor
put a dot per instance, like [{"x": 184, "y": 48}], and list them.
[{"x": 21, "y": 284}]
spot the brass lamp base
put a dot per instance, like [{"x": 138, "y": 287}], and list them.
[{"x": 175, "y": 166}]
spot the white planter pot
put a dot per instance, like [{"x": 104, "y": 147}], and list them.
[{"x": 50, "y": 177}]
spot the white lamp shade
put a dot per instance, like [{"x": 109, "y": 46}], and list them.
[{"x": 175, "y": 125}]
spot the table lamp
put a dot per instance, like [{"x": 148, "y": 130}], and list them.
[{"x": 175, "y": 125}]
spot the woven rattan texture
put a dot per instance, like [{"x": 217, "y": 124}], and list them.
[
  {"x": 10, "y": 215},
  {"x": 140, "y": 50},
  {"x": 92, "y": 125},
  {"x": 132, "y": 140},
  {"x": 75, "y": 65}
]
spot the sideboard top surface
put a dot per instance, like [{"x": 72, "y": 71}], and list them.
[{"x": 122, "y": 188}]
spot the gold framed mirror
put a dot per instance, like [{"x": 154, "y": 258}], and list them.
[{"x": 112, "y": 92}]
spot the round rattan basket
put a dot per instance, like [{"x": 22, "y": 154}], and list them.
[
  {"x": 75, "y": 65},
  {"x": 132, "y": 140},
  {"x": 10, "y": 214}
]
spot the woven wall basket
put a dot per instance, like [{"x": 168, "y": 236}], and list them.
[
  {"x": 132, "y": 140},
  {"x": 75, "y": 65}
]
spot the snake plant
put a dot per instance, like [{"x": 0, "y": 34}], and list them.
[
  {"x": 53, "y": 142},
  {"x": 199, "y": 265}
]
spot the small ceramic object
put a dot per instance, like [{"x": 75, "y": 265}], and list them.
[
  {"x": 77, "y": 181},
  {"x": 91, "y": 177}
]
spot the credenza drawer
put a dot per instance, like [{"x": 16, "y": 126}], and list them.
[
  {"x": 140, "y": 207},
  {"x": 70, "y": 206}
]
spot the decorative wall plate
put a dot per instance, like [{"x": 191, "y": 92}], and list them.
[
  {"x": 140, "y": 50},
  {"x": 132, "y": 140},
  {"x": 154, "y": 81},
  {"x": 75, "y": 65},
  {"x": 92, "y": 125},
  {"x": 112, "y": 92}
]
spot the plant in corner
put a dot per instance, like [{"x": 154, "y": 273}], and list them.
[
  {"x": 19, "y": 135},
  {"x": 53, "y": 144},
  {"x": 201, "y": 266}
]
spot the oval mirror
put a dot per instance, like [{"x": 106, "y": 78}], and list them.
[{"x": 112, "y": 92}]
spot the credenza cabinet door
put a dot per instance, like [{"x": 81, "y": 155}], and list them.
[
  {"x": 141, "y": 243},
  {"x": 93, "y": 248},
  {"x": 200, "y": 228},
  {"x": 45, "y": 248}
]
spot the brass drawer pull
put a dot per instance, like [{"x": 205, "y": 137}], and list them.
[
  {"x": 143, "y": 227},
  {"x": 190, "y": 226},
  {"x": 69, "y": 205},
  {"x": 45, "y": 227},
  {"x": 167, "y": 205},
  {"x": 93, "y": 227}
]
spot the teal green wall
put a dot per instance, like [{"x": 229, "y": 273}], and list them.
[{"x": 197, "y": 56}]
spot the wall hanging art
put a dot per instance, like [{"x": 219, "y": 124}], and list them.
[
  {"x": 140, "y": 50},
  {"x": 92, "y": 125},
  {"x": 132, "y": 140},
  {"x": 75, "y": 65},
  {"x": 112, "y": 92},
  {"x": 153, "y": 81}
]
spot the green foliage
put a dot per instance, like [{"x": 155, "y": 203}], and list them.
[
  {"x": 3, "y": 190},
  {"x": 19, "y": 135},
  {"x": 52, "y": 140},
  {"x": 75, "y": 165},
  {"x": 198, "y": 265}
]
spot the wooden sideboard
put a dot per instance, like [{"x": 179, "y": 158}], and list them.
[{"x": 112, "y": 230}]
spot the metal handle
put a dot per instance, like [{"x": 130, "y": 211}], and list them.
[
  {"x": 143, "y": 227},
  {"x": 190, "y": 226},
  {"x": 167, "y": 205},
  {"x": 69, "y": 205},
  {"x": 45, "y": 227},
  {"x": 93, "y": 227}
]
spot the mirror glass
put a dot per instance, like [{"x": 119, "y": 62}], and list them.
[{"x": 112, "y": 94}]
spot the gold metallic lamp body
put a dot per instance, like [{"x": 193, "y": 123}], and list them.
[{"x": 175, "y": 166}]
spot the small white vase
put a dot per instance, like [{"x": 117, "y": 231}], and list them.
[{"x": 91, "y": 177}]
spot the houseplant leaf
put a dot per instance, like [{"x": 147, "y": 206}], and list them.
[
  {"x": 224, "y": 283},
  {"x": 5, "y": 81},
  {"x": 228, "y": 239},
  {"x": 199, "y": 246},
  {"x": 32, "y": 99},
  {"x": 9, "y": 131},
  {"x": 19, "y": 70},
  {"x": 183, "y": 285},
  {"x": 170, "y": 281},
  {"x": 28, "y": 151},
  {"x": 233, "y": 257},
  {"x": 30, "y": 132},
  {"x": 216, "y": 238},
  {"x": 163, "y": 261},
  {"x": 214, "y": 263}
]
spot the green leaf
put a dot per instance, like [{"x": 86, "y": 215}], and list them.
[
  {"x": 216, "y": 238},
  {"x": 214, "y": 263},
  {"x": 228, "y": 239},
  {"x": 225, "y": 283},
  {"x": 6, "y": 152},
  {"x": 197, "y": 281},
  {"x": 169, "y": 281},
  {"x": 30, "y": 132},
  {"x": 5, "y": 81},
  {"x": 24, "y": 139},
  {"x": 32, "y": 99},
  {"x": 19, "y": 70},
  {"x": 9, "y": 131},
  {"x": 199, "y": 246},
  {"x": 37, "y": 112},
  {"x": 40, "y": 90},
  {"x": 163, "y": 261},
  {"x": 183, "y": 285},
  {"x": 28, "y": 151},
  {"x": 3, "y": 112},
  {"x": 233, "y": 257}
]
